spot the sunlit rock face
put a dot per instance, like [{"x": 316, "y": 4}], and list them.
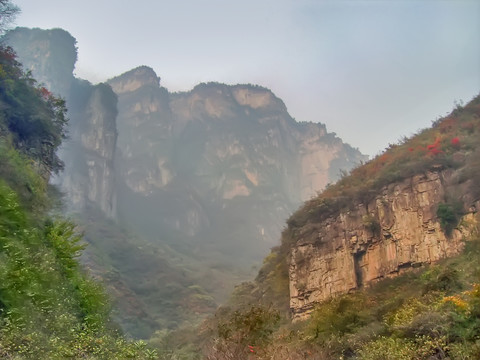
[
  {"x": 397, "y": 231},
  {"x": 230, "y": 158}
]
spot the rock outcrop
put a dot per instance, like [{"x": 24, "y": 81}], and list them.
[
  {"x": 89, "y": 152},
  {"x": 49, "y": 54},
  {"x": 397, "y": 231}
]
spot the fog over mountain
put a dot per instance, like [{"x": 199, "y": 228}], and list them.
[
  {"x": 203, "y": 179},
  {"x": 223, "y": 222},
  {"x": 369, "y": 70}
]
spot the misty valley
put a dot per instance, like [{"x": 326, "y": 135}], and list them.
[{"x": 141, "y": 223}]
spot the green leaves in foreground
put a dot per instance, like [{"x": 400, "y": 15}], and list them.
[{"x": 49, "y": 309}]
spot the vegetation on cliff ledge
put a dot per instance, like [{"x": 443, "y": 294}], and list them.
[{"x": 451, "y": 142}]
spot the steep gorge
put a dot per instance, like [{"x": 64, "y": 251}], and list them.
[
  {"x": 196, "y": 184},
  {"x": 382, "y": 264}
]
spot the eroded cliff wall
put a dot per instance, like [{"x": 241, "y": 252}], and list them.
[
  {"x": 89, "y": 151},
  {"x": 395, "y": 232},
  {"x": 206, "y": 178}
]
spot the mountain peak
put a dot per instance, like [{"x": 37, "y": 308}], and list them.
[
  {"x": 256, "y": 97},
  {"x": 134, "y": 79},
  {"x": 246, "y": 95},
  {"x": 50, "y": 54}
]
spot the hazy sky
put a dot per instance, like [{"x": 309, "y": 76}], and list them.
[{"x": 372, "y": 71}]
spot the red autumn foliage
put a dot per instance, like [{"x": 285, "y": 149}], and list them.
[
  {"x": 455, "y": 142},
  {"x": 8, "y": 54},
  {"x": 434, "y": 149},
  {"x": 45, "y": 93}
]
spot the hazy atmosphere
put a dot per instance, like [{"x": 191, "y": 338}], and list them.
[
  {"x": 372, "y": 71},
  {"x": 264, "y": 180}
]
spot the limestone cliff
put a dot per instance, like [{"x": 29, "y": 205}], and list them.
[
  {"x": 223, "y": 155},
  {"x": 396, "y": 231},
  {"x": 49, "y": 54},
  {"x": 89, "y": 179},
  {"x": 216, "y": 152},
  {"x": 366, "y": 227}
]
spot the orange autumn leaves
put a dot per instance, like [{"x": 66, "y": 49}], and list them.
[{"x": 466, "y": 301}]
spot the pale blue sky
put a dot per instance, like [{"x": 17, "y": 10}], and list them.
[{"x": 372, "y": 71}]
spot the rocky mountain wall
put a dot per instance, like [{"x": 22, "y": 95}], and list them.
[
  {"x": 397, "y": 231},
  {"x": 89, "y": 152},
  {"x": 222, "y": 152}
]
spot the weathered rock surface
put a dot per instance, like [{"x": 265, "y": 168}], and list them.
[
  {"x": 88, "y": 153},
  {"x": 397, "y": 231},
  {"x": 49, "y": 54}
]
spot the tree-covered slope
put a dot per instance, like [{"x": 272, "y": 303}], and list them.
[{"x": 49, "y": 307}]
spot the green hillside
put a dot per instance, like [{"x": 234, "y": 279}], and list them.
[{"x": 49, "y": 307}]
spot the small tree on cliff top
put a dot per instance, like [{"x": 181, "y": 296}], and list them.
[{"x": 8, "y": 12}]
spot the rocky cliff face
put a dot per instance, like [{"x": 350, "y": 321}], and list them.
[
  {"x": 223, "y": 155},
  {"x": 213, "y": 151},
  {"x": 49, "y": 54},
  {"x": 89, "y": 179},
  {"x": 397, "y": 231}
]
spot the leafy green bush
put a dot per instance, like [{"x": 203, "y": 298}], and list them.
[
  {"x": 448, "y": 217},
  {"x": 445, "y": 279},
  {"x": 32, "y": 115},
  {"x": 340, "y": 316}
]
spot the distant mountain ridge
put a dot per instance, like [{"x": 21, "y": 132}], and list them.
[{"x": 220, "y": 146}]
